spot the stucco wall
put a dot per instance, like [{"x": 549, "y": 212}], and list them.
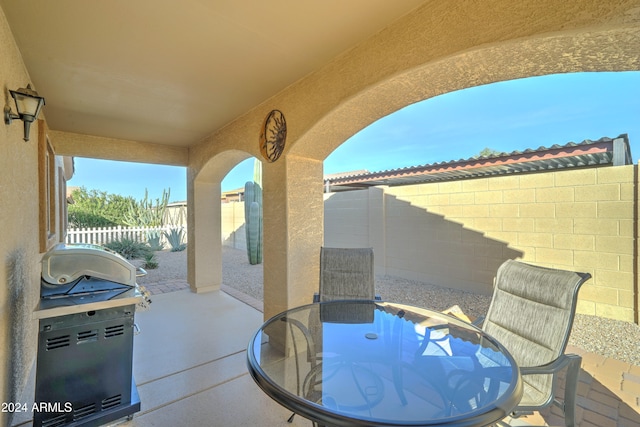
[
  {"x": 20, "y": 225},
  {"x": 19, "y": 273},
  {"x": 456, "y": 234}
]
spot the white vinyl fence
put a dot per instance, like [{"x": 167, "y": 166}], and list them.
[{"x": 103, "y": 235}]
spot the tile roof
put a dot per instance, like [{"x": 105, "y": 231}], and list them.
[{"x": 603, "y": 152}]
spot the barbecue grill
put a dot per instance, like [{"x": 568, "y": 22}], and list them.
[{"x": 85, "y": 341}]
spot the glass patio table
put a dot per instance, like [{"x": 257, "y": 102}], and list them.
[{"x": 372, "y": 363}]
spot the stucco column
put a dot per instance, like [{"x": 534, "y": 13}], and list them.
[
  {"x": 204, "y": 250},
  {"x": 293, "y": 232}
]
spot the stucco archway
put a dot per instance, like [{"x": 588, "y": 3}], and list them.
[
  {"x": 203, "y": 206},
  {"x": 609, "y": 50},
  {"x": 293, "y": 184},
  {"x": 612, "y": 49}
]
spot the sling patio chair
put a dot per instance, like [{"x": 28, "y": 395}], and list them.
[
  {"x": 346, "y": 273},
  {"x": 531, "y": 314}
]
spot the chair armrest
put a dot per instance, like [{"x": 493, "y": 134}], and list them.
[
  {"x": 551, "y": 367},
  {"x": 478, "y": 322},
  {"x": 457, "y": 312},
  {"x": 568, "y": 406},
  {"x": 311, "y": 353}
]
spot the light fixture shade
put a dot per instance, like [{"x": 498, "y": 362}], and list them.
[{"x": 28, "y": 103}]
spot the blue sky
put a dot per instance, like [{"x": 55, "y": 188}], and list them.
[{"x": 505, "y": 116}]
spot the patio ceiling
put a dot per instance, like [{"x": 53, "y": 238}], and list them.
[{"x": 169, "y": 72}]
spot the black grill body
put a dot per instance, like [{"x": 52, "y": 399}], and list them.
[{"x": 84, "y": 368}]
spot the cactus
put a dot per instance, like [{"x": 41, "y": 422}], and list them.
[
  {"x": 253, "y": 215},
  {"x": 145, "y": 213}
]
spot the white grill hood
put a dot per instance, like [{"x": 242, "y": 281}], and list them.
[{"x": 65, "y": 263}]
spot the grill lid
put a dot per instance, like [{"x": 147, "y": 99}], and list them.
[{"x": 66, "y": 263}]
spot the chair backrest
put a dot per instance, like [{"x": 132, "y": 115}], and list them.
[
  {"x": 531, "y": 314},
  {"x": 346, "y": 273},
  {"x": 354, "y": 313}
]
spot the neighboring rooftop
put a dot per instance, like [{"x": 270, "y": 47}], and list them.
[{"x": 603, "y": 152}]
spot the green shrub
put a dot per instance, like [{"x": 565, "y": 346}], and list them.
[
  {"x": 79, "y": 218},
  {"x": 129, "y": 249},
  {"x": 94, "y": 208},
  {"x": 153, "y": 238},
  {"x": 150, "y": 261},
  {"x": 174, "y": 237}
]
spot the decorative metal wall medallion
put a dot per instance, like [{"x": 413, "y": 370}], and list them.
[{"x": 273, "y": 136}]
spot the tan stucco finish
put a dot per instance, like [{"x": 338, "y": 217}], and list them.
[
  {"x": 77, "y": 145},
  {"x": 440, "y": 47},
  {"x": 437, "y": 49},
  {"x": 19, "y": 254}
]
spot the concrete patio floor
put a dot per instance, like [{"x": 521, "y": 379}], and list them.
[
  {"x": 189, "y": 364},
  {"x": 190, "y": 368}
]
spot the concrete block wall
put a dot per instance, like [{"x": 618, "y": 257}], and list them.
[
  {"x": 233, "y": 231},
  {"x": 352, "y": 228},
  {"x": 435, "y": 234},
  {"x": 456, "y": 234}
]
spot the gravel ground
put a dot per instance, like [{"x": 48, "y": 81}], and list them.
[
  {"x": 609, "y": 338},
  {"x": 171, "y": 266}
]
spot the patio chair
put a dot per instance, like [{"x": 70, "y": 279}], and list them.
[
  {"x": 531, "y": 314},
  {"x": 346, "y": 273}
]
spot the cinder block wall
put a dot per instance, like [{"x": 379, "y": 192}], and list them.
[
  {"x": 456, "y": 234},
  {"x": 348, "y": 222},
  {"x": 233, "y": 231}
]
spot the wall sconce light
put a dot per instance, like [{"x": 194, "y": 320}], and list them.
[{"x": 28, "y": 105}]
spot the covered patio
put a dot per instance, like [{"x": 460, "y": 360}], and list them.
[
  {"x": 192, "y": 379},
  {"x": 185, "y": 379},
  {"x": 190, "y": 359},
  {"x": 191, "y": 85}
]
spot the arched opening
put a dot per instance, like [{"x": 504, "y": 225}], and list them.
[
  {"x": 590, "y": 116},
  {"x": 432, "y": 230},
  {"x": 501, "y": 62},
  {"x": 539, "y": 216},
  {"x": 609, "y": 49},
  {"x": 240, "y": 277},
  {"x": 333, "y": 124},
  {"x": 204, "y": 206},
  {"x": 505, "y": 116}
]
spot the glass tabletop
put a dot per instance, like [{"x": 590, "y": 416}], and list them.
[{"x": 383, "y": 364}]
